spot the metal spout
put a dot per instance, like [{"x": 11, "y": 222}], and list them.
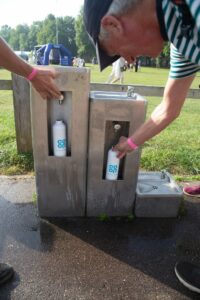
[
  {"x": 117, "y": 127},
  {"x": 131, "y": 92},
  {"x": 61, "y": 100}
]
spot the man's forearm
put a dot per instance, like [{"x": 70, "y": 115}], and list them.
[
  {"x": 153, "y": 126},
  {"x": 165, "y": 113}
]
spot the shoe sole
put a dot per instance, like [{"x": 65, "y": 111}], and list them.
[
  {"x": 197, "y": 196},
  {"x": 186, "y": 284},
  {"x": 7, "y": 278}
]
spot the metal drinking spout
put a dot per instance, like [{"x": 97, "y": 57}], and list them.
[
  {"x": 163, "y": 174},
  {"x": 61, "y": 99},
  {"x": 131, "y": 92},
  {"x": 117, "y": 127}
]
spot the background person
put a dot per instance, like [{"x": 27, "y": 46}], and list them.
[
  {"x": 117, "y": 73},
  {"x": 121, "y": 28},
  {"x": 136, "y": 64},
  {"x": 43, "y": 81}
]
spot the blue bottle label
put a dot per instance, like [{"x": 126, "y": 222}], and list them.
[
  {"x": 61, "y": 144},
  {"x": 113, "y": 169}
]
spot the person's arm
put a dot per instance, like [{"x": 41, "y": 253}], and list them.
[
  {"x": 166, "y": 112},
  {"x": 43, "y": 80}
]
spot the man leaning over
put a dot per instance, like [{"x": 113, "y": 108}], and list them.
[{"x": 122, "y": 28}]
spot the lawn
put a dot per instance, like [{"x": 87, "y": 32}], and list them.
[
  {"x": 11, "y": 162},
  {"x": 176, "y": 149},
  {"x": 146, "y": 76}
]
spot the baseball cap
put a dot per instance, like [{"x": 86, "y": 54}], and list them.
[{"x": 93, "y": 12}]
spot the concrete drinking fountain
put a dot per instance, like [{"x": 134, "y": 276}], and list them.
[{"x": 72, "y": 138}]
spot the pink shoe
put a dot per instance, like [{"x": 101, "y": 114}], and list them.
[{"x": 193, "y": 191}]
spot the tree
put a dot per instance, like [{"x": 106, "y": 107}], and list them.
[
  {"x": 22, "y": 31},
  {"x": 166, "y": 49},
  {"x": 67, "y": 33},
  {"x": 18, "y": 37},
  {"x": 14, "y": 40},
  {"x": 60, "y": 30},
  {"x": 84, "y": 45},
  {"x": 33, "y": 34},
  {"x": 51, "y": 30},
  {"x": 47, "y": 33},
  {"x": 164, "y": 57},
  {"x": 5, "y": 32}
]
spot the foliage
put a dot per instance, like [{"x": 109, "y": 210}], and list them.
[
  {"x": 5, "y": 32},
  {"x": 103, "y": 217},
  {"x": 32, "y": 35},
  {"x": 67, "y": 31},
  {"x": 166, "y": 49},
  {"x": 47, "y": 33},
  {"x": 84, "y": 45},
  {"x": 51, "y": 30}
]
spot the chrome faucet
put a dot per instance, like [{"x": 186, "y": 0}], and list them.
[{"x": 131, "y": 92}]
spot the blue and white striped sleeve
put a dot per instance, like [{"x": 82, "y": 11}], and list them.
[{"x": 179, "y": 66}]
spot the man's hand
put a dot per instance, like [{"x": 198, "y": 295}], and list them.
[{"x": 122, "y": 147}]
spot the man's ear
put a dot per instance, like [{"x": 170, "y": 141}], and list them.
[{"x": 112, "y": 25}]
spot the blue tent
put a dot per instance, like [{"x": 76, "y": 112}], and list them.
[{"x": 44, "y": 51}]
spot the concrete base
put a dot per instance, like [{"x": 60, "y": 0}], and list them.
[
  {"x": 61, "y": 181},
  {"x": 87, "y": 259},
  {"x": 112, "y": 198},
  {"x": 157, "y": 195}
]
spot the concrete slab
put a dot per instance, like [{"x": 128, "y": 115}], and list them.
[{"x": 86, "y": 259}]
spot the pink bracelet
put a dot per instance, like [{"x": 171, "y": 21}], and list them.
[
  {"x": 32, "y": 74},
  {"x": 132, "y": 144}
]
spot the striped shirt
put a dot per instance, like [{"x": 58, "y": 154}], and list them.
[{"x": 185, "y": 51}]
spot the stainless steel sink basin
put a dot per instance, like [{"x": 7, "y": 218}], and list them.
[
  {"x": 157, "y": 195},
  {"x": 114, "y": 96}
]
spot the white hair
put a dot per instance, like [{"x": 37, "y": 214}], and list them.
[{"x": 121, "y": 7}]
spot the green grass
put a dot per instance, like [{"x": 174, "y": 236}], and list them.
[
  {"x": 11, "y": 163},
  {"x": 176, "y": 149},
  {"x": 146, "y": 76},
  {"x": 4, "y": 74}
]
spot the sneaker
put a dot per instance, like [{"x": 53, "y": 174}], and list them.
[
  {"x": 193, "y": 191},
  {"x": 6, "y": 273},
  {"x": 189, "y": 275}
]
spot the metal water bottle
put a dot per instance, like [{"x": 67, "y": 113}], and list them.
[
  {"x": 112, "y": 169},
  {"x": 59, "y": 139}
]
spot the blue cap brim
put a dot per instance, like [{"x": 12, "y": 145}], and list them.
[{"x": 103, "y": 58}]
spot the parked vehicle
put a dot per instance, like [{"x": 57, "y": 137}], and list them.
[{"x": 22, "y": 54}]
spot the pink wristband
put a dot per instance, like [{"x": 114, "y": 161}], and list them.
[
  {"x": 132, "y": 144},
  {"x": 32, "y": 74}
]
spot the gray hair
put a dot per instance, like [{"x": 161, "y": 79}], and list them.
[
  {"x": 118, "y": 8},
  {"x": 121, "y": 7}
]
